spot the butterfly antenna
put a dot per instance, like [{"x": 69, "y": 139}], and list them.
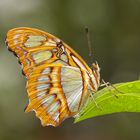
[{"x": 89, "y": 44}]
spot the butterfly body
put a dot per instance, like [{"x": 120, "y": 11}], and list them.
[{"x": 58, "y": 79}]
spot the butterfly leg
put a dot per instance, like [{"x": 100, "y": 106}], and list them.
[
  {"x": 94, "y": 101},
  {"x": 110, "y": 87}
]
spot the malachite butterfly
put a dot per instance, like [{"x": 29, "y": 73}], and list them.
[{"x": 58, "y": 79}]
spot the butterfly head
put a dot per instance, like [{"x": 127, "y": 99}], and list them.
[{"x": 95, "y": 75}]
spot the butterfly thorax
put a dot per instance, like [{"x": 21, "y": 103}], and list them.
[{"x": 94, "y": 77}]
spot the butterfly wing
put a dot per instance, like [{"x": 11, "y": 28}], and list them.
[
  {"x": 34, "y": 47},
  {"x": 56, "y": 75},
  {"x": 55, "y": 92}
]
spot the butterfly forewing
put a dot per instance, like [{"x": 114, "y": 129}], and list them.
[
  {"x": 56, "y": 75},
  {"x": 34, "y": 47}
]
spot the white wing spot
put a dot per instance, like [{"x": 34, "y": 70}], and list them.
[
  {"x": 57, "y": 40},
  {"x": 46, "y": 71},
  {"x": 15, "y": 39},
  {"x": 50, "y": 43},
  {"x": 34, "y": 41},
  {"x": 53, "y": 108},
  {"x": 42, "y": 87},
  {"x": 78, "y": 62},
  {"x": 64, "y": 58},
  {"x": 43, "y": 79},
  {"x": 55, "y": 117},
  {"x": 41, "y": 56},
  {"x": 60, "y": 62},
  {"x": 41, "y": 94},
  {"x": 48, "y": 100},
  {"x": 54, "y": 50}
]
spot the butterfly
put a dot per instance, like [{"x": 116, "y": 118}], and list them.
[{"x": 58, "y": 79}]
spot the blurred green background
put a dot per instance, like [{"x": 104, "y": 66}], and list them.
[{"x": 115, "y": 37}]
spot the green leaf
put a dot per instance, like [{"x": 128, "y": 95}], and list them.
[{"x": 127, "y": 100}]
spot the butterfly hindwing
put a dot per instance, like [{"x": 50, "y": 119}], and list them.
[{"x": 55, "y": 93}]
